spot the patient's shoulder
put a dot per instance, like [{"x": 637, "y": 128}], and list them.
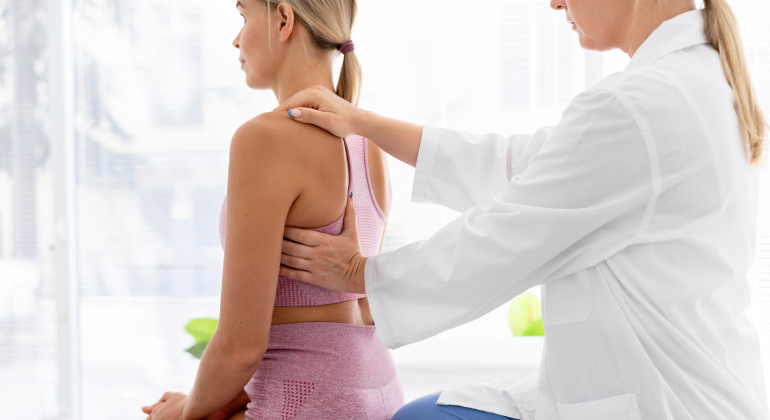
[{"x": 274, "y": 136}]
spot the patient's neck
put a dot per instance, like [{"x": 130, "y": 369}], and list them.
[{"x": 302, "y": 73}]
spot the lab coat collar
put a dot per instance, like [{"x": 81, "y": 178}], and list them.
[{"x": 675, "y": 34}]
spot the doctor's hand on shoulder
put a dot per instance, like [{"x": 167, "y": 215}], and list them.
[
  {"x": 332, "y": 262},
  {"x": 321, "y": 107}
]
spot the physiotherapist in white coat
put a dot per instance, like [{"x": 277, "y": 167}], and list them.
[{"x": 636, "y": 214}]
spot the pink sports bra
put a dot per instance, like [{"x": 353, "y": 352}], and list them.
[{"x": 370, "y": 221}]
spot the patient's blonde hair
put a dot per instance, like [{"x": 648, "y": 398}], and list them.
[
  {"x": 723, "y": 34},
  {"x": 330, "y": 23}
]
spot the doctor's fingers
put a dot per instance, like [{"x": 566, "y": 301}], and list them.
[
  {"x": 294, "y": 262},
  {"x": 311, "y": 97},
  {"x": 299, "y": 275},
  {"x": 303, "y": 236},
  {"x": 297, "y": 250},
  {"x": 316, "y": 98},
  {"x": 323, "y": 108}
]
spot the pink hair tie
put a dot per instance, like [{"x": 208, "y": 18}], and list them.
[{"x": 346, "y": 47}]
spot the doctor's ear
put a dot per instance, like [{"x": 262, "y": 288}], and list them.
[{"x": 286, "y": 22}]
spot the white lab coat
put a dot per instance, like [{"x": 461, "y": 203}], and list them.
[{"x": 636, "y": 214}]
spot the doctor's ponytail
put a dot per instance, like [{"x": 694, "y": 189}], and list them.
[{"x": 722, "y": 33}]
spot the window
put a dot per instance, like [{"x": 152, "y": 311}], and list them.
[{"x": 27, "y": 330}]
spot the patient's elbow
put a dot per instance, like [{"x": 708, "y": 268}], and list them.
[{"x": 244, "y": 354}]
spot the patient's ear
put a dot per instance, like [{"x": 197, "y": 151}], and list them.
[{"x": 286, "y": 23}]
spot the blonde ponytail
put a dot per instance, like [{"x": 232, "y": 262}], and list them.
[
  {"x": 722, "y": 33},
  {"x": 330, "y": 24},
  {"x": 349, "y": 85}
]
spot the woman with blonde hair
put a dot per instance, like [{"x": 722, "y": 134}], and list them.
[
  {"x": 286, "y": 349},
  {"x": 636, "y": 214}
]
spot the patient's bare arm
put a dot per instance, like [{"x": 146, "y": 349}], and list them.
[{"x": 234, "y": 406}]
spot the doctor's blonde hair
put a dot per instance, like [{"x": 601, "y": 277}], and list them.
[
  {"x": 723, "y": 34},
  {"x": 330, "y": 24}
]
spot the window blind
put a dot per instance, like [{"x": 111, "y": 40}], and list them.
[{"x": 27, "y": 303}]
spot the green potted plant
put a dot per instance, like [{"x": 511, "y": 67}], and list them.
[
  {"x": 202, "y": 329},
  {"x": 525, "y": 316}
]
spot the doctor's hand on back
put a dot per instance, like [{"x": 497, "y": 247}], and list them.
[{"x": 332, "y": 262}]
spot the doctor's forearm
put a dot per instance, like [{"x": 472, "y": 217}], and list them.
[{"x": 399, "y": 139}]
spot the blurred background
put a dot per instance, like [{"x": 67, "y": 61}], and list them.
[{"x": 115, "y": 122}]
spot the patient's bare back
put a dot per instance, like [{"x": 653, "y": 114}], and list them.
[
  {"x": 318, "y": 176},
  {"x": 320, "y": 172}
]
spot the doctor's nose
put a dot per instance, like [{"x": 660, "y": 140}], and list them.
[{"x": 558, "y": 4}]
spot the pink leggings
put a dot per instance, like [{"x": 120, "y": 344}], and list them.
[{"x": 324, "y": 370}]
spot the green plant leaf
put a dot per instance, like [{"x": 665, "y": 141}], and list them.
[
  {"x": 535, "y": 329},
  {"x": 202, "y": 329},
  {"x": 523, "y": 312},
  {"x": 197, "y": 349}
]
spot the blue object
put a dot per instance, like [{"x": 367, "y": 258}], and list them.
[{"x": 425, "y": 408}]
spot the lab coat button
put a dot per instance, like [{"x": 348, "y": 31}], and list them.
[{"x": 529, "y": 405}]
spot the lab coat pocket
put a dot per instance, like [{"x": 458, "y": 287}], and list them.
[
  {"x": 568, "y": 299},
  {"x": 621, "y": 407}
]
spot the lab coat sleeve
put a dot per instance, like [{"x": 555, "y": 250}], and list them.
[
  {"x": 460, "y": 170},
  {"x": 585, "y": 196}
]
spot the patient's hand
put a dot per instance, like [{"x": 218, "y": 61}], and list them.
[
  {"x": 169, "y": 407},
  {"x": 237, "y": 403}
]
